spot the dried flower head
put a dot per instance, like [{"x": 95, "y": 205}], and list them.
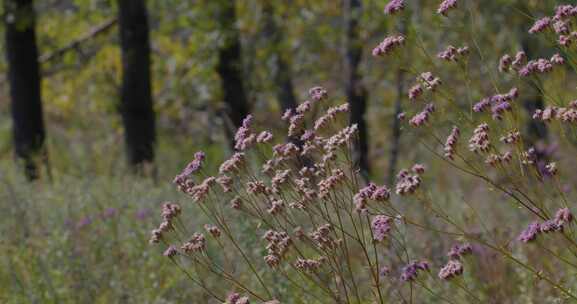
[
  {"x": 540, "y": 25},
  {"x": 394, "y": 6},
  {"x": 381, "y": 225},
  {"x": 213, "y": 230},
  {"x": 388, "y": 45},
  {"x": 445, "y": 6},
  {"x": 170, "y": 252},
  {"x": 196, "y": 243},
  {"x": 452, "y": 269},
  {"x": 451, "y": 143},
  {"x": 530, "y": 233},
  {"x": 480, "y": 140},
  {"x": 410, "y": 272},
  {"x": 318, "y": 93}
]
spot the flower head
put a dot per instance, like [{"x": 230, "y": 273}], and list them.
[
  {"x": 540, "y": 25},
  {"x": 452, "y": 269},
  {"x": 445, "y": 6},
  {"x": 394, "y": 6},
  {"x": 381, "y": 226}
]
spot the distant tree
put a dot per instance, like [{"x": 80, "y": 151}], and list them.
[
  {"x": 281, "y": 72},
  {"x": 395, "y": 140},
  {"x": 230, "y": 64},
  {"x": 355, "y": 89},
  {"x": 24, "y": 77},
  {"x": 396, "y": 127},
  {"x": 136, "y": 105}
]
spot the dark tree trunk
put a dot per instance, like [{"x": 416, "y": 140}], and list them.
[
  {"x": 282, "y": 76},
  {"x": 396, "y": 129},
  {"x": 230, "y": 65},
  {"x": 24, "y": 77},
  {"x": 355, "y": 90},
  {"x": 136, "y": 105}
]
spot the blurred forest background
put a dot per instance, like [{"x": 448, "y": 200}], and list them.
[{"x": 102, "y": 102}]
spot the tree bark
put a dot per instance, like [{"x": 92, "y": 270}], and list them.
[
  {"x": 355, "y": 90},
  {"x": 396, "y": 128},
  {"x": 24, "y": 78},
  {"x": 282, "y": 76},
  {"x": 230, "y": 65},
  {"x": 136, "y": 105}
]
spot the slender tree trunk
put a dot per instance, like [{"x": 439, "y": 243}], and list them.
[
  {"x": 355, "y": 90},
  {"x": 281, "y": 73},
  {"x": 136, "y": 105},
  {"x": 230, "y": 65},
  {"x": 396, "y": 128},
  {"x": 24, "y": 77}
]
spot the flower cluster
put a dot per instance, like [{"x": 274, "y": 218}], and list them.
[
  {"x": 459, "y": 251},
  {"x": 330, "y": 115},
  {"x": 415, "y": 91},
  {"x": 541, "y": 66},
  {"x": 170, "y": 211},
  {"x": 197, "y": 243},
  {"x": 388, "y": 45},
  {"x": 563, "y": 114},
  {"x": 452, "y": 53},
  {"x": 511, "y": 137},
  {"x": 451, "y": 143},
  {"x": 394, "y": 6},
  {"x": 309, "y": 265},
  {"x": 213, "y": 230},
  {"x": 429, "y": 81},
  {"x": 562, "y": 217},
  {"x": 540, "y": 25},
  {"x": 498, "y": 103},
  {"x": 244, "y": 138},
  {"x": 278, "y": 244},
  {"x": 323, "y": 239},
  {"x": 445, "y": 6},
  {"x": 381, "y": 225},
  {"x": 452, "y": 269},
  {"x": 233, "y": 164},
  {"x": 318, "y": 93},
  {"x": 422, "y": 117},
  {"x": 408, "y": 182},
  {"x": 495, "y": 159},
  {"x": 480, "y": 142},
  {"x": 235, "y": 298},
  {"x": 372, "y": 192},
  {"x": 411, "y": 271},
  {"x": 560, "y": 23},
  {"x": 183, "y": 179}
]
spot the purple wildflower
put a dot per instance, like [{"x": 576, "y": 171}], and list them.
[
  {"x": 318, "y": 93},
  {"x": 83, "y": 222},
  {"x": 530, "y": 233},
  {"x": 540, "y": 25},
  {"x": 381, "y": 226},
  {"x": 394, "y": 6},
  {"x": 563, "y": 216},
  {"x": 445, "y": 6},
  {"x": 452, "y": 269},
  {"x": 409, "y": 273},
  {"x": 388, "y": 45},
  {"x": 170, "y": 252},
  {"x": 557, "y": 59}
]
